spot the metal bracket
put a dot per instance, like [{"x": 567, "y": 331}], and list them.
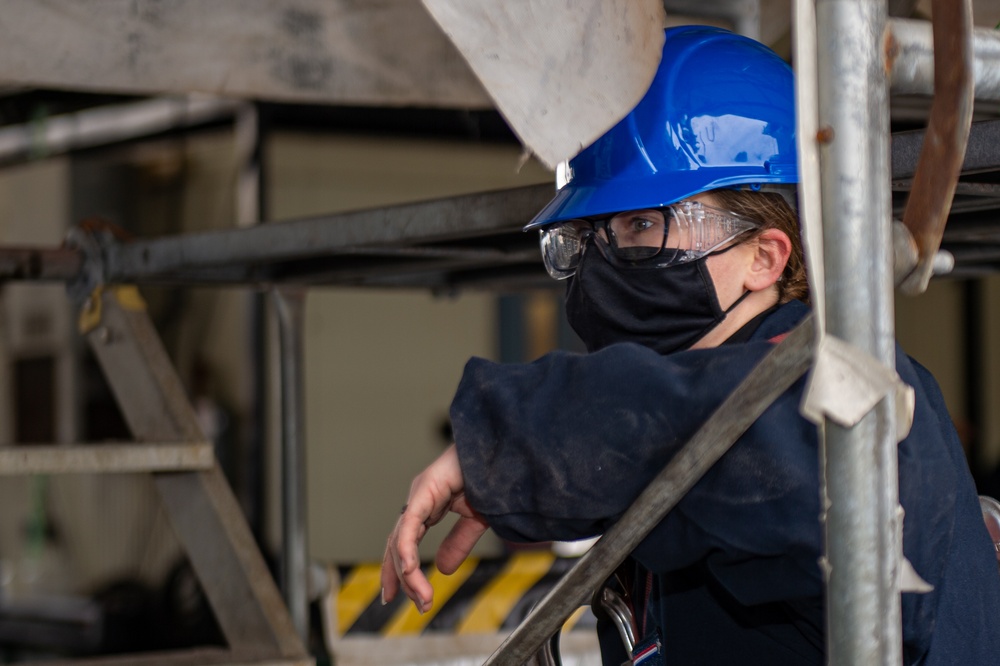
[{"x": 91, "y": 273}]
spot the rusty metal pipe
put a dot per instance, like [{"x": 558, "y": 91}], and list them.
[
  {"x": 946, "y": 138},
  {"x": 33, "y": 263}
]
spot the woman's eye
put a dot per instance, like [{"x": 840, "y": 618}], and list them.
[
  {"x": 640, "y": 224},
  {"x": 639, "y": 228}
]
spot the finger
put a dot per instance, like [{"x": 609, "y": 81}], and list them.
[
  {"x": 406, "y": 557},
  {"x": 455, "y": 547},
  {"x": 392, "y": 571},
  {"x": 390, "y": 581}
]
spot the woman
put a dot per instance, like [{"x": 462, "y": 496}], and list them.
[{"x": 680, "y": 247}]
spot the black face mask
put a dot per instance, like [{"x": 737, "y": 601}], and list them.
[{"x": 665, "y": 309}]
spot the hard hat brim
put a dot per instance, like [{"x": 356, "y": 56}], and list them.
[{"x": 576, "y": 201}]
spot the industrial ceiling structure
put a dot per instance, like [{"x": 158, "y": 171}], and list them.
[{"x": 382, "y": 68}]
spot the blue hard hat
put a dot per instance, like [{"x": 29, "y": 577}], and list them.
[{"x": 720, "y": 112}]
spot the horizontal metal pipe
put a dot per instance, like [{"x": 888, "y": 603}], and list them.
[
  {"x": 968, "y": 189},
  {"x": 431, "y": 221},
  {"x": 106, "y": 458},
  {"x": 981, "y": 152},
  {"x": 110, "y": 124},
  {"x": 31, "y": 263},
  {"x": 910, "y": 48}
]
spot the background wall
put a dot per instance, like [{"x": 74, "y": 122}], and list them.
[
  {"x": 382, "y": 365},
  {"x": 930, "y": 328}
]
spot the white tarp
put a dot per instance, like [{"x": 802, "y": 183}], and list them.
[{"x": 561, "y": 73}]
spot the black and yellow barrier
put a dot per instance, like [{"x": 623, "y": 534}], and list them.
[{"x": 483, "y": 596}]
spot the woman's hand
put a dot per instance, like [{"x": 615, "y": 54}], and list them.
[{"x": 437, "y": 490}]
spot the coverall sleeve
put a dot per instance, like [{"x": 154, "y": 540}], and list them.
[{"x": 559, "y": 448}]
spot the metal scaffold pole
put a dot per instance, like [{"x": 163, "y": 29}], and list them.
[
  {"x": 860, "y": 484},
  {"x": 290, "y": 306}
]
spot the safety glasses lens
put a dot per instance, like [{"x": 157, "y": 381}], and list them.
[
  {"x": 561, "y": 248},
  {"x": 698, "y": 229},
  {"x": 638, "y": 235}
]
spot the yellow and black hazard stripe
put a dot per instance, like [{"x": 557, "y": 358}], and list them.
[{"x": 483, "y": 596}]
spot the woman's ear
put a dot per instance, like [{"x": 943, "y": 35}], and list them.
[{"x": 773, "y": 248}]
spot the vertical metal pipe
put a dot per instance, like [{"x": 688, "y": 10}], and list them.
[
  {"x": 747, "y": 19},
  {"x": 862, "y": 525},
  {"x": 250, "y": 190},
  {"x": 290, "y": 306}
]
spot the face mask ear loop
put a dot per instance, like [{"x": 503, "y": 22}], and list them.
[
  {"x": 737, "y": 302},
  {"x": 725, "y": 313},
  {"x": 745, "y": 293}
]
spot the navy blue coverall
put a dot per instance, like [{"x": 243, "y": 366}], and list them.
[{"x": 557, "y": 449}]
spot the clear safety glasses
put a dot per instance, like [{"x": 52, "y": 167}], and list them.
[{"x": 674, "y": 234}]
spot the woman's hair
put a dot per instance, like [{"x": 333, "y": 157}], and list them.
[{"x": 773, "y": 212}]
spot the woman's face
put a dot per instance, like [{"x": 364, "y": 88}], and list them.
[{"x": 643, "y": 228}]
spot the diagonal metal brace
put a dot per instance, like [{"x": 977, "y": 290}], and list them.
[
  {"x": 202, "y": 510},
  {"x": 774, "y": 375}
]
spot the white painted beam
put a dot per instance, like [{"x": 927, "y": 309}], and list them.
[{"x": 351, "y": 52}]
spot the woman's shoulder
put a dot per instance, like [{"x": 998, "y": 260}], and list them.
[{"x": 784, "y": 318}]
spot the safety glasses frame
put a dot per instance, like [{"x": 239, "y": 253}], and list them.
[{"x": 659, "y": 237}]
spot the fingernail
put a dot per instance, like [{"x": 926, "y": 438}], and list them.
[
  {"x": 383, "y": 596},
  {"x": 422, "y": 606}
]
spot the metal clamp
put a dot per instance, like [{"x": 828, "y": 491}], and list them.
[
  {"x": 91, "y": 274},
  {"x": 613, "y": 604}
]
